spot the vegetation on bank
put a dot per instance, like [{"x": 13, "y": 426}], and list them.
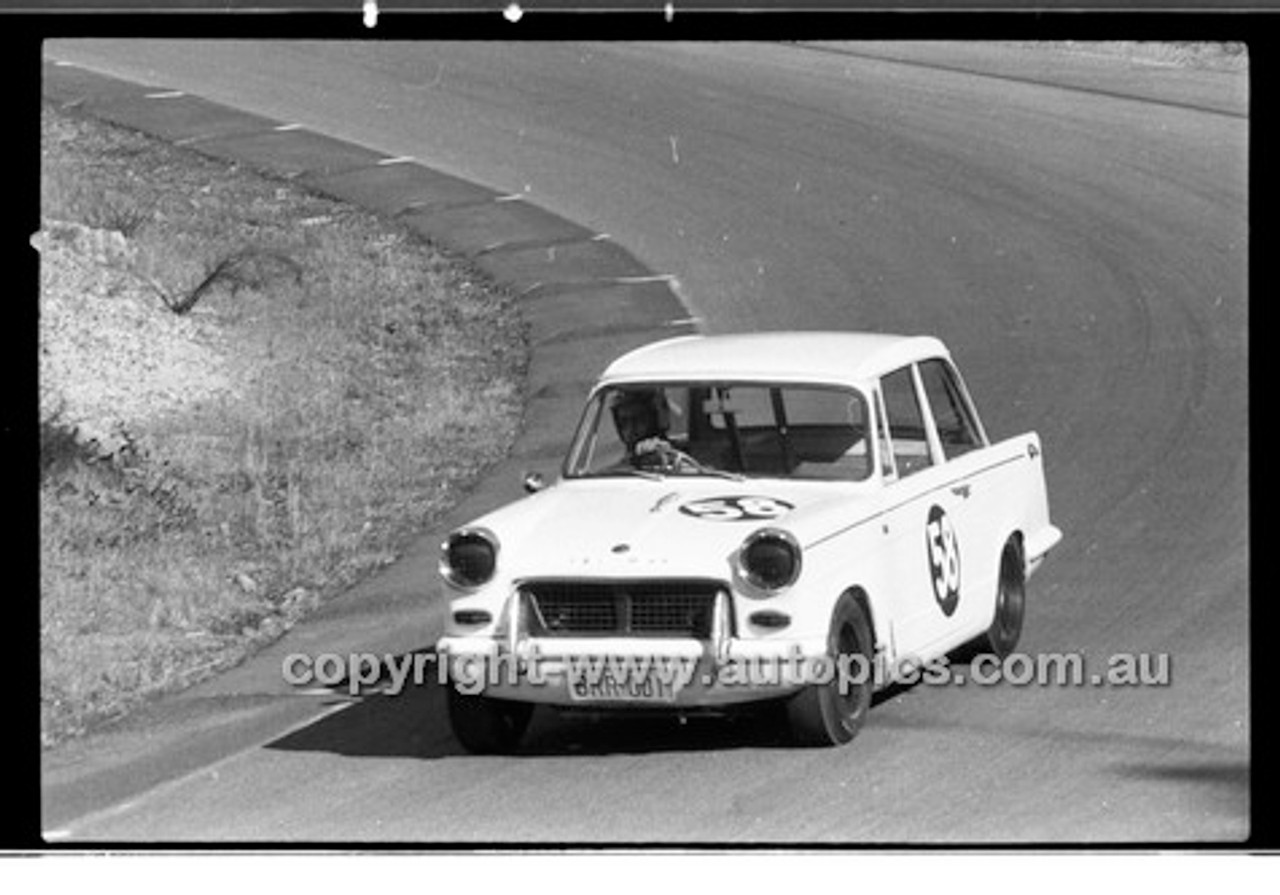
[{"x": 250, "y": 397}]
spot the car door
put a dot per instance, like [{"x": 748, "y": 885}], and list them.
[
  {"x": 924, "y": 547},
  {"x": 971, "y": 486}
]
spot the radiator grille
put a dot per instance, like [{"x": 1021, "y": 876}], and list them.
[{"x": 661, "y": 608}]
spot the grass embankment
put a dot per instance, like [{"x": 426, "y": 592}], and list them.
[{"x": 250, "y": 397}]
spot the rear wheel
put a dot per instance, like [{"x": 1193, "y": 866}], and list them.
[
  {"x": 487, "y": 726},
  {"x": 832, "y": 712},
  {"x": 1011, "y": 604}
]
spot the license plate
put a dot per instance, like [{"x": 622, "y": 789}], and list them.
[{"x": 604, "y": 686}]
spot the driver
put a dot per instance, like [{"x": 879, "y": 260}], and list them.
[{"x": 642, "y": 419}]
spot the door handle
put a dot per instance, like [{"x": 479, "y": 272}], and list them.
[{"x": 960, "y": 490}]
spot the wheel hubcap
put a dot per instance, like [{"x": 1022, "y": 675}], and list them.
[
  {"x": 1009, "y": 608},
  {"x": 849, "y": 698}
]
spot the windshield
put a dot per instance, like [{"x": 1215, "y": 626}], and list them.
[{"x": 732, "y": 430}]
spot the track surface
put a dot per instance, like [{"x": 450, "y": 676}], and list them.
[{"x": 1082, "y": 249}]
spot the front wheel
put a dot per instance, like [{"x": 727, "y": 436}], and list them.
[
  {"x": 832, "y": 712},
  {"x": 487, "y": 726}
]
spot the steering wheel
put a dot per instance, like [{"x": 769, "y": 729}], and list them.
[{"x": 664, "y": 455}]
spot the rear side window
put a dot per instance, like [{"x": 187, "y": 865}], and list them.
[
  {"x": 952, "y": 414},
  {"x": 908, "y": 439}
]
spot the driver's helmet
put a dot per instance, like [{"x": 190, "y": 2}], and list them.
[{"x": 640, "y": 414}]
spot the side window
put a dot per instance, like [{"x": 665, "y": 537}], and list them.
[
  {"x": 951, "y": 413},
  {"x": 909, "y": 441}
]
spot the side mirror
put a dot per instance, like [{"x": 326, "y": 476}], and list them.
[{"x": 534, "y": 482}]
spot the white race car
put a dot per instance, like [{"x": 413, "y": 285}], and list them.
[{"x": 772, "y": 516}]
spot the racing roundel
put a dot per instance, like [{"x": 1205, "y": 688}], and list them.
[
  {"x": 737, "y": 509},
  {"x": 944, "y": 559}
]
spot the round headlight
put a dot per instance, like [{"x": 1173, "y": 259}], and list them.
[
  {"x": 468, "y": 558},
  {"x": 770, "y": 559}
]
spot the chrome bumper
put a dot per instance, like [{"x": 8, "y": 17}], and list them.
[{"x": 719, "y": 671}]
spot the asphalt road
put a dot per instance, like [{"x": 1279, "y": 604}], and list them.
[{"x": 1077, "y": 234}]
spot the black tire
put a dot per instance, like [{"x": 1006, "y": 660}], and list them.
[
  {"x": 1011, "y": 604},
  {"x": 822, "y": 715},
  {"x": 487, "y": 726}
]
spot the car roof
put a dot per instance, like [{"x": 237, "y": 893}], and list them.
[{"x": 790, "y": 356}]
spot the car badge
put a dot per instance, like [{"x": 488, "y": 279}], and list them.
[{"x": 663, "y": 501}]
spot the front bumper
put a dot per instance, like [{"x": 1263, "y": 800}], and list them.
[{"x": 635, "y": 672}]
